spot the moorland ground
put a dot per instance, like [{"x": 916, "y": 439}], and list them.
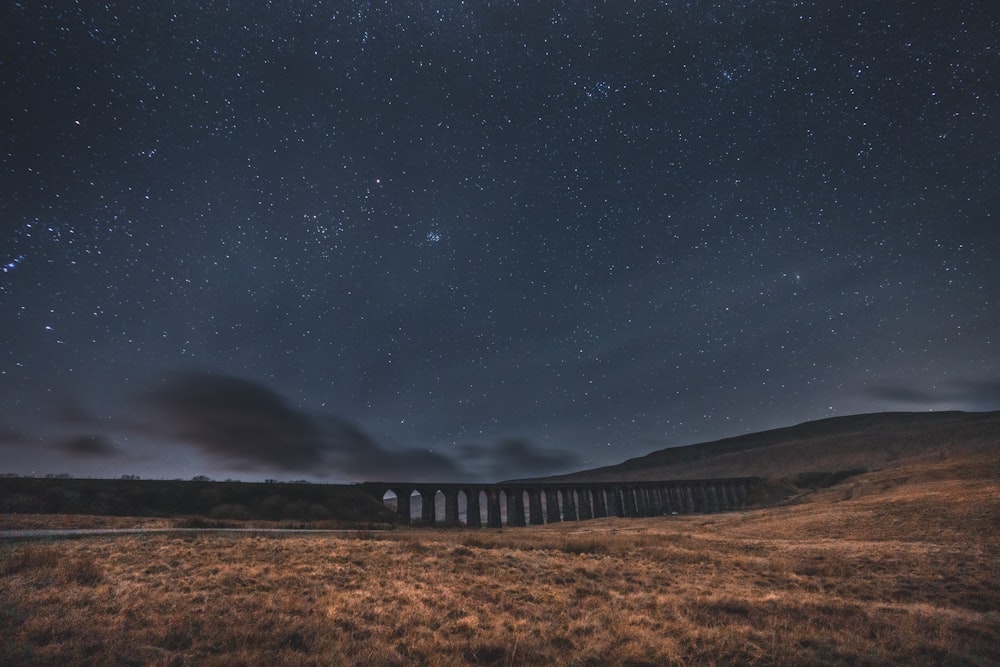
[{"x": 893, "y": 567}]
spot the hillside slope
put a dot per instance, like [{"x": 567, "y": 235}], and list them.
[{"x": 872, "y": 441}]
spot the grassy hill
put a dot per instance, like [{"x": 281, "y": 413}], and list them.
[
  {"x": 896, "y": 566},
  {"x": 870, "y": 441},
  {"x": 891, "y": 567}
]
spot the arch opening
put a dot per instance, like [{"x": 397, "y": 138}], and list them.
[{"x": 439, "y": 509}]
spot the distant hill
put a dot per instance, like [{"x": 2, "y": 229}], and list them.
[{"x": 872, "y": 441}]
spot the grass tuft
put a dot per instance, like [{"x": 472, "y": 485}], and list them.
[{"x": 83, "y": 570}]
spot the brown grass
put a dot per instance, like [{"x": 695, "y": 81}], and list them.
[
  {"x": 897, "y": 567},
  {"x": 71, "y": 521}
]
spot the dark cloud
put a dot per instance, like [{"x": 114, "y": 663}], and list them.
[
  {"x": 238, "y": 421},
  {"x": 72, "y": 415},
  {"x": 378, "y": 464},
  {"x": 517, "y": 457},
  {"x": 898, "y": 393},
  {"x": 92, "y": 446},
  {"x": 243, "y": 423},
  {"x": 983, "y": 393},
  {"x": 357, "y": 455}
]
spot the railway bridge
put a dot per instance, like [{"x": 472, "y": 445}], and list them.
[{"x": 536, "y": 503}]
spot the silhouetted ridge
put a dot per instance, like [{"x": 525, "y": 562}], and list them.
[{"x": 868, "y": 440}]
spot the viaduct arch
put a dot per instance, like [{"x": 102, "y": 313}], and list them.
[{"x": 530, "y": 503}]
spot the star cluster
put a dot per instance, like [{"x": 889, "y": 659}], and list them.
[{"x": 506, "y": 238}]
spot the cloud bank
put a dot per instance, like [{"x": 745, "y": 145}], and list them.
[
  {"x": 983, "y": 393},
  {"x": 88, "y": 446},
  {"x": 516, "y": 457},
  {"x": 236, "y": 421},
  {"x": 245, "y": 425}
]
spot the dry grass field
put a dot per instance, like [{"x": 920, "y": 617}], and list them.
[{"x": 897, "y": 567}]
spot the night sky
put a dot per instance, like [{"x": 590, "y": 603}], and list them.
[{"x": 354, "y": 241}]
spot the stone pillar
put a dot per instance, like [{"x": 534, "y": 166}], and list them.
[
  {"x": 535, "y": 507},
  {"x": 569, "y": 504},
  {"x": 675, "y": 499},
  {"x": 628, "y": 502},
  {"x": 515, "y": 507},
  {"x": 700, "y": 501},
  {"x": 583, "y": 496},
  {"x": 552, "y": 506},
  {"x": 451, "y": 506},
  {"x": 635, "y": 492},
  {"x": 472, "y": 518},
  {"x": 403, "y": 505},
  {"x": 611, "y": 502},
  {"x": 615, "y": 502},
  {"x": 712, "y": 497},
  {"x": 689, "y": 498},
  {"x": 711, "y": 502},
  {"x": 600, "y": 502},
  {"x": 720, "y": 493},
  {"x": 493, "y": 519},
  {"x": 734, "y": 501},
  {"x": 655, "y": 503},
  {"x": 642, "y": 501},
  {"x": 427, "y": 506},
  {"x": 665, "y": 500},
  {"x": 742, "y": 492}
]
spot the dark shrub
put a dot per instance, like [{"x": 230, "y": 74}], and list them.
[
  {"x": 274, "y": 507},
  {"x": 231, "y": 511}
]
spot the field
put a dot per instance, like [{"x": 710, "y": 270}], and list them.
[{"x": 892, "y": 567}]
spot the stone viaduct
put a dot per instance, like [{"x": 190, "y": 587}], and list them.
[{"x": 524, "y": 503}]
